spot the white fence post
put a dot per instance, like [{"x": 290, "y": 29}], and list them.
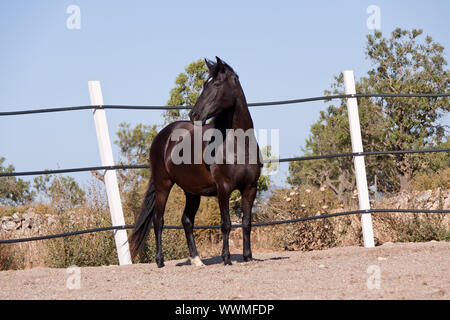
[
  {"x": 360, "y": 167},
  {"x": 112, "y": 188}
]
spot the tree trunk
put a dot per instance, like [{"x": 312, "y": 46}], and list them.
[
  {"x": 404, "y": 180},
  {"x": 404, "y": 170}
]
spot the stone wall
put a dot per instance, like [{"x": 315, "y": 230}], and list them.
[
  {"x": 31, "y": 223},
  {"x": 429, "y": 199},
  {"x": 27, "y": 222}
]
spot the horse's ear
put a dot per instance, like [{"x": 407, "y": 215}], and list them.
[
  {"x": 220, "y": 65},
  {"x": 210, "y": 65}
]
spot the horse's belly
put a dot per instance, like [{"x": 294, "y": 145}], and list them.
[
  {"x": 193, "y": 178},
  {"x": 190, "y": 176}
]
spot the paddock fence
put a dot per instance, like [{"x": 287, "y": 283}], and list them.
[{"x": 118, "y": 225}]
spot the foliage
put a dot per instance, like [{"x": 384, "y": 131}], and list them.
[
  {"x": 188, "y": 86},
  {"x": 434, "y": 172},
  {"x": 401, "y": 64},
  {"x": 134, "y": 144},
  {"x": 331, "y": 135},
  {"x": 13, "y": 190},
  {"x": 11, "y": 258},
  {"x": 93, "y": 249},
  {"x": 59, "y": 189},
  {"x": 416, "y": 227},
  {"x": 301, "y": 202}
]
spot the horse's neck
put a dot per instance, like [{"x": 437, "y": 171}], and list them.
[
  {"x": 241, "y": 117},
  {"x": 236, "y": 117}
]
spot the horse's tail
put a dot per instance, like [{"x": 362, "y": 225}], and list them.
[{"x": 143, "y": 221}]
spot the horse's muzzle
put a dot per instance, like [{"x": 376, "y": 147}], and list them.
[{"x": 192, "y": 116}]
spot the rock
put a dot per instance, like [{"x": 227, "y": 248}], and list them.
[
  {"x": 446, "y": 203},
  {"x": 425, "y": 196},
  {"x": 9, "y": 225},
  {"x": 27, "y": 215},
  {"x": 26, "y": 224},
  {"x": 51, "y": 220},
  {"x": 435, "y": 206},
  {"x": 16, "y": 217}
]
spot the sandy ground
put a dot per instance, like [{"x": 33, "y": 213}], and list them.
[{"x": 390, "y": 271}]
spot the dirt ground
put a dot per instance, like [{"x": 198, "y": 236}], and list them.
[{"x": 390, "y": 271}]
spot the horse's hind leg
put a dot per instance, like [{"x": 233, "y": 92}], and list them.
[
  {"x": 192, "y": 204},
  {"x": 162, "y": 193},
  {"x": 248, "y": 197},
  {"x": 224, "y": 199}
]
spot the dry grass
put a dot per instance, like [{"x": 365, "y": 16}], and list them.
[{"x": 99, "y": 248}]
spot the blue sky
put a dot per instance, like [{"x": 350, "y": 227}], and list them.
[{"x": 280, "y": 49}]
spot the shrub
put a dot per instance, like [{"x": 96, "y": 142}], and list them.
[
  {"x": 302, "y": 202},
  {"x": 415, "y": 227},
  {"x": 431, "y": 180},
  {"x": 11, "y": 257},
  {"x": 92, "y": 249}
]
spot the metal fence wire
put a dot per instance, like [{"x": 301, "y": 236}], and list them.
[{"x": 257, "y": 104}]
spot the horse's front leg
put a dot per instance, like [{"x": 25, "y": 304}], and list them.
[
  {"x": 224, "y": 199},
  {"x": 248, "y": 197},
  {"x": 188, "y": 218}
]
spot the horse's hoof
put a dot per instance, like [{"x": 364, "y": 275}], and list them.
[
  {"x": 160, "y": 264},
  {"x": 227, "y": 262},
  {"x": 196, "y": 261},
  {"x": 226, "y": 259},
  {"x": 249, "y": 258}
]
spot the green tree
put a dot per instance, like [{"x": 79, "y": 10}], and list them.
[
  {"x": 401, "y": 64},
  {"x": 63, "y": 191},
  {"x": 404, "y": 64},
  {"x": 188, "y": 86},
  {"x": 331, "y": 135},
  {"x": 13, "y": 191},
  {"x": 134, "y": 144}
]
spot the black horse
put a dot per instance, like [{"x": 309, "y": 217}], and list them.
[{"x": 223, "y": 100}]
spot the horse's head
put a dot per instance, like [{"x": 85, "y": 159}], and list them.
[{"x": 219, "y": 91}]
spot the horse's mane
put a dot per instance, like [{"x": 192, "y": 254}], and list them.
[{"x": 214, "y": 68}]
